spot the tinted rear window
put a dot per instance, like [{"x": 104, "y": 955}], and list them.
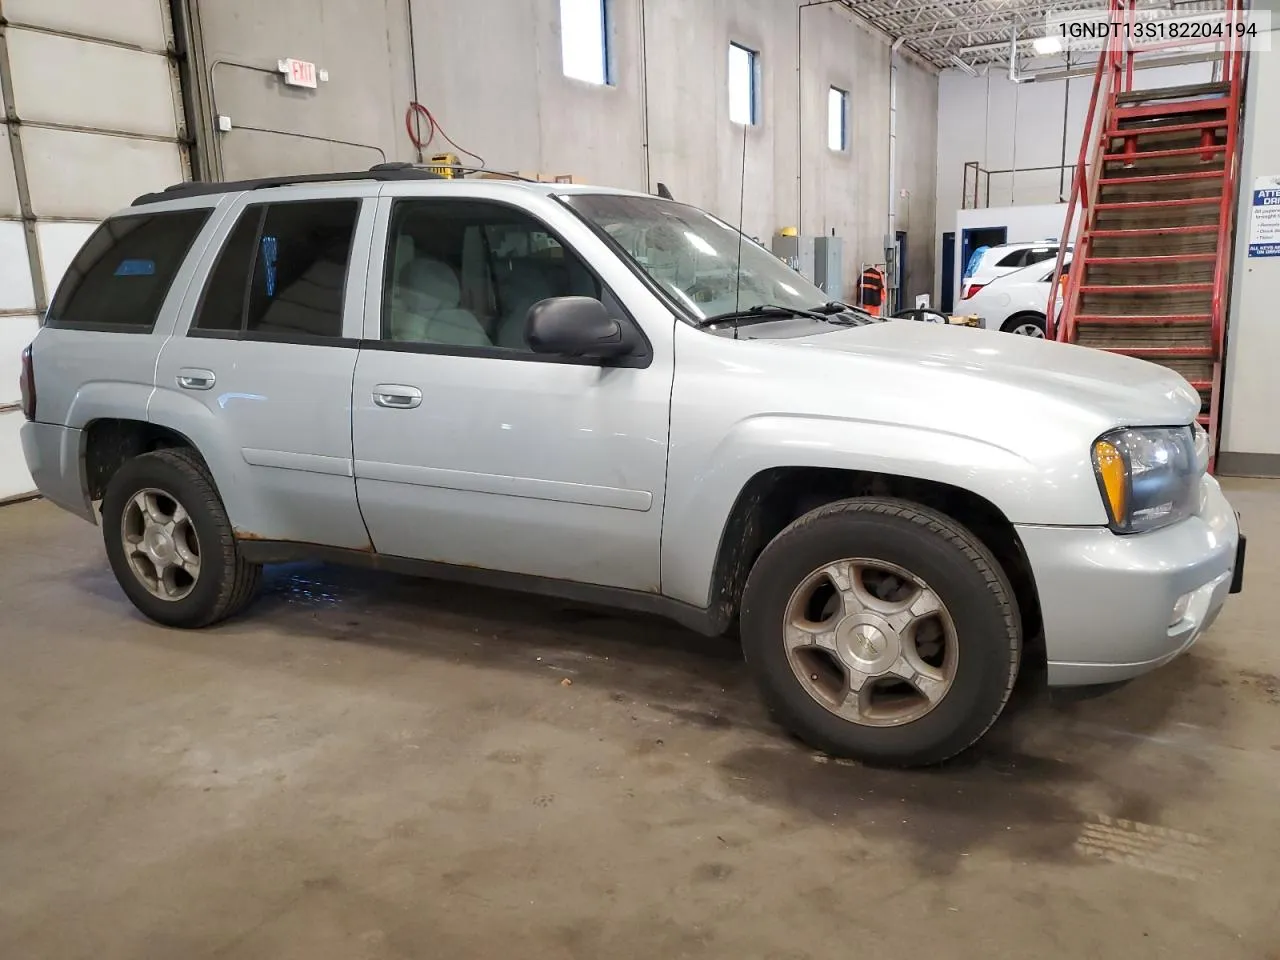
[
  {"x": 121, "y": 275},
  {"x": 282, "y": 272}
]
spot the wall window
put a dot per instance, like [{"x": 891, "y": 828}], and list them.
[
  {"x": 464, "y": 273},
  {"x": 744, "y": 94},
  {"x": 838, "y": 119},
  {"x": 282, "y": 272},
  {"x": 121, "y": 275},
  {"x": 584, "y": 40}
]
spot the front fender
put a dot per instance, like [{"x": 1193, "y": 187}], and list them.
[{"x": 703, "y": 489}]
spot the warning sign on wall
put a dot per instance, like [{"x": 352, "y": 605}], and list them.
[{"x": 1264, "y": 218}]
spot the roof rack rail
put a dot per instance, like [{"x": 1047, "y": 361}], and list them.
[
  {"x": 454, "y": 168},
  {"x": 382, "y": 172}
]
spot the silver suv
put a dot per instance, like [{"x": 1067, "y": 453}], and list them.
[{"x": 619, "y": 399}]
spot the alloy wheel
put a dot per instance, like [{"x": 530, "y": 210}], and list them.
[
  {"x": 871, "y": 642},
  {"x": 160, "y": 544}
]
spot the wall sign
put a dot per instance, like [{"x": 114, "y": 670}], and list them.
[
  {"x": 298, "y": 73},
  {"x": 1264, "y": 218}
]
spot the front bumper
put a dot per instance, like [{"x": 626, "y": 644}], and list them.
[{"x": 1108, "y": 601}]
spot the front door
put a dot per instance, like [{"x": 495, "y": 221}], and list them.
[
  {"x": 472, "y": 450},
  {"x": 261, "y": 380}
]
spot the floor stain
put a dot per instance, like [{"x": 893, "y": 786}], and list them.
[{"x": 1171, "y": 853}]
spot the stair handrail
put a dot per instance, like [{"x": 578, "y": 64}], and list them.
[
  {"x": 1232, "y": 70},
  {"x": 1109, "y": 62}
]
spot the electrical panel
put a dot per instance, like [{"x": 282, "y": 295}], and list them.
[
  {"x": 828, "y": 263},
  {"x": 795, "y": 252}
]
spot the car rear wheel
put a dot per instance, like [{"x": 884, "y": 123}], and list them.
[
  {"x": 881, "y": 631},
  {"x": 1025, "y": 325},
  {"x": 170, "y": 542}
]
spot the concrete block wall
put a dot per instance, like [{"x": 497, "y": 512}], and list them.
[
  {"x": 491, "y": 72},
  {"x": 1250, "y": 443}
]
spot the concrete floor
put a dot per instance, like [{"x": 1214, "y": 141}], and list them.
[{"x": 369, "y": 766}]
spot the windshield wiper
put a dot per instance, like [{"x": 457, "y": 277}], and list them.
[
  {"x": 832, "y": 308},
  {"x": 761, "y": 313}
]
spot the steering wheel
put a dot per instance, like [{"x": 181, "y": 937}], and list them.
[{"x": 700, "y": 288}]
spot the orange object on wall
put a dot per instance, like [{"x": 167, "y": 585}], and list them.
[{"x": 871, "y": 290}]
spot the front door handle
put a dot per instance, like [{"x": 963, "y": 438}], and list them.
[
  {"x": 191, "y": 378},
  {"x": 396, "y": 396}
]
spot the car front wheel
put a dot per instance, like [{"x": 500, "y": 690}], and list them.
[
  {"x": 881, "y": 631},
  {"x": 171, "y": 544}
]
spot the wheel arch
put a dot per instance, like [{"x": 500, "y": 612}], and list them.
[
  {"x": 772, "y": 498},
  {"x": 1022, "y": 316},
  {"x": 108, "y": 442}
]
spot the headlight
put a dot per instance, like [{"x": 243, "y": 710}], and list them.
[{"x": 1149, "y": 476}]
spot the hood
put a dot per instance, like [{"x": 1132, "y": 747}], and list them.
[{"x": 964, "y": 367}]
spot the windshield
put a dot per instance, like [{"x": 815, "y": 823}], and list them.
[{"x": 694, "y": 257}]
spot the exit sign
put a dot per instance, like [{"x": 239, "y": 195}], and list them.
[{"x": 298, "y": 73}]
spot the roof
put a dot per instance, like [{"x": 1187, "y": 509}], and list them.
[{"x": 383, "y": 172}]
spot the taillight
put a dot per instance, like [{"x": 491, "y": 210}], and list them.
[
  {"x": 27, "y": 384},
  {"x": 970, "y": 289}
]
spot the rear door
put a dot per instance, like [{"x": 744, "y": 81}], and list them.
[{"x": 260, "y": 378}]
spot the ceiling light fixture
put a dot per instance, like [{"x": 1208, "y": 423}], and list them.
[{"x": 1047, "y": 45}]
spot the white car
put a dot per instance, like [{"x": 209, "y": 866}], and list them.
[
  {"x": 1015, "y": 302},
  {"x": 1005, "y": 259}
]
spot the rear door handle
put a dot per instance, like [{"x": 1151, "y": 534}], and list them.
[
  {"x": 192, "y": 378},
  {"x": 397, "y": 396}
]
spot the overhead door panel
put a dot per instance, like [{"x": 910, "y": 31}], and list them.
[
  {"x": 95, "y": 85},
  {"x": 100, "y": 116},
  {"x": 58, "y": 162},
  {"x": 138, "y": 22},
  {"x": 17, "y": 295},
  {"x": 59, "y": 241}
]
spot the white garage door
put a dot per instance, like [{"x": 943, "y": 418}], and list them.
[{"x": 99, "y": 113}]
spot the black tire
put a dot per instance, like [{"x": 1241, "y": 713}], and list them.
[
  {"x": 227, "y": 583},
  {"x": 958, "y": 568},
  {"x": 1022, "y": 319}
]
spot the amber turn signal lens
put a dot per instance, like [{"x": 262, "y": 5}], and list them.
[{"x": 1111, "y": 470}]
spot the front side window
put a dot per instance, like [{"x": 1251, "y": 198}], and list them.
[
  {"x": 694, "y": 257},
  {"x": 282, "y": 272},
  {"x": 119, "y": 279},
  {"x": 464, "y": 273}
]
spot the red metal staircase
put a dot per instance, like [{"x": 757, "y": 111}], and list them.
[{"x": 1153, "y": 199}]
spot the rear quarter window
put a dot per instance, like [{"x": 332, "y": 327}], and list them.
[
  {"x": 1016, "y": 259},
  {"x": 119, "y": 279}
]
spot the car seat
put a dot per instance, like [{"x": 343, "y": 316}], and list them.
[{"x": 425, "y": 307}]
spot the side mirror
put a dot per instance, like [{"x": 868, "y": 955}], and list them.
[{"x": 574, "y": 327}]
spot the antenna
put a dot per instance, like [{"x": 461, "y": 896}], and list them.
[
  {"x": 742, "y": 203},
  {"x": 664, "y": 192}
]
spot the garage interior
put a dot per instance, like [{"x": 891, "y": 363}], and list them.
[{"x": 371, "y": 765}]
